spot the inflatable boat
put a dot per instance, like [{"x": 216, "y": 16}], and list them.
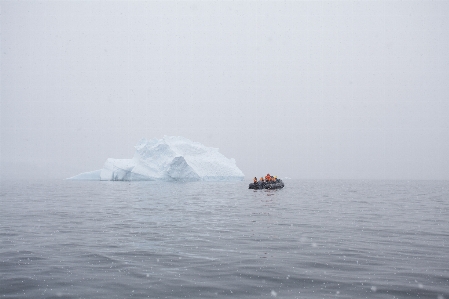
[{"x": 267, "y": 185}]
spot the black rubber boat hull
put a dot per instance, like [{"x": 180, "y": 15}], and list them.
[{"x": 262, "y": 185}]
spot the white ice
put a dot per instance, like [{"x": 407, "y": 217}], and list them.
[{"x": 169, "y": 158}]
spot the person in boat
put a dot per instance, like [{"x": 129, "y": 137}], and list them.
[
  {"x": 267, "y": 178},
  {"x": 255, "y": 180},
  {"x": 261, "y": 179}
]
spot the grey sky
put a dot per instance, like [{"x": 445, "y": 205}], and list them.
[{"x": 310, "y": 89}]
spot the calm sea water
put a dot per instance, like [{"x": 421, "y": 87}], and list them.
[{"x": 312, "y": 239}]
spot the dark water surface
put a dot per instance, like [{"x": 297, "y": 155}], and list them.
[{"x": 313, "y": 239}]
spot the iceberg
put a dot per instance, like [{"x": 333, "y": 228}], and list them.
[{"x": 168, "y": 159}]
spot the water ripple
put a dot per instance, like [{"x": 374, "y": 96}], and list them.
[{"x": 312, "y": 239}]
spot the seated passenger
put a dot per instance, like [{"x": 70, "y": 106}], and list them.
[
  {"x": 267, "y": 178},
  {"x": 255, "y": 180},
  {"x": 261, "y": 179}
]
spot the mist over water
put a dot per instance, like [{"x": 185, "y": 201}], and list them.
[
  {"x": 304, "y": 89},
  {"x": 312, "y": 239}
]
